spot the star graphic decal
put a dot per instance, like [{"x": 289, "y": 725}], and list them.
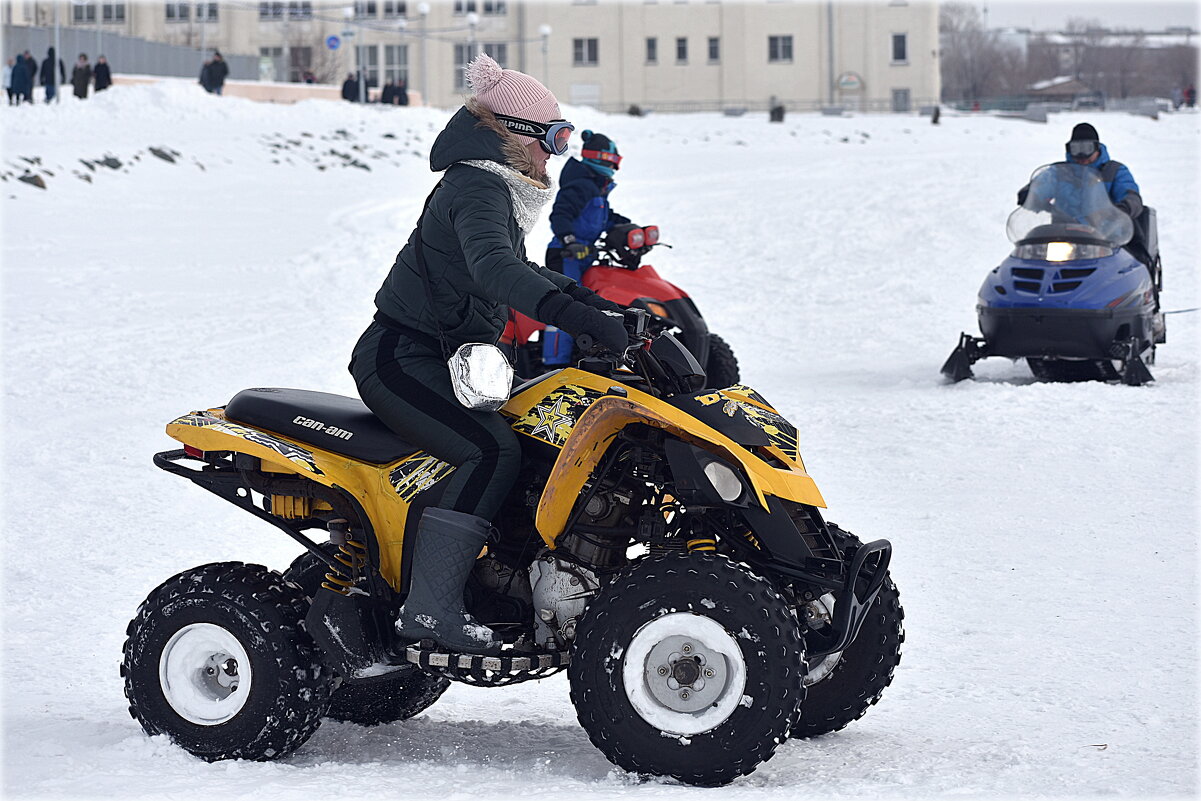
[{"x": 550, "y": 419}]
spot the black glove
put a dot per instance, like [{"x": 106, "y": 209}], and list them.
[
  {"x": 1022, "y": 193},
  {"x": 589, "y": 298},
  {"x": 576, "y": 318},
  {"x": 575, "y": 250}
]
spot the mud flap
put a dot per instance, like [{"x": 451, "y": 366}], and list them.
[
  {"x": 335, "y": 623},
  {"x": 959, "y": 365}
]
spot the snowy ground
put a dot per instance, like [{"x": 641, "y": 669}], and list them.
[{"x": 1045, "y": 535}]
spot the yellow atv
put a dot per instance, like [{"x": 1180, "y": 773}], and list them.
[{"x": 663, "y": 544}]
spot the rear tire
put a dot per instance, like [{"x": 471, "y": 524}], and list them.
[
  {"x": 217, "y": 659},
  {"x": 722, "y": 369},
  {"x": 715, "y": 630},
  {"x": 395, "y": 696}
]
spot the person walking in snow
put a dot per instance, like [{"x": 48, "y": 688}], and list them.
[
  {"x": 22, "y": 80},
  {"x": 580, "y": 215},
  {"x": 81, "y": 76},
  {"x": 102, "y": 76},
  {"x": 218, "y": 72},
  {"x": 462, "y": 268},
  {"x": 31, "y": 64},
  {"x": 49, "y": 79},
  {"x": 350, "y": 89},
  {"x": 8, "y": 79}
]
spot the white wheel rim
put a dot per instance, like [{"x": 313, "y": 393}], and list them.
[
  {"x": 684, "y": 674},
  {"x": 205, "y": 674}
]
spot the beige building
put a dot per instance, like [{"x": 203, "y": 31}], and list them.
[{"x": 666, "y": 55}]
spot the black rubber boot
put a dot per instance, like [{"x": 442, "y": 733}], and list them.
[{"x": 447, "y": 546}]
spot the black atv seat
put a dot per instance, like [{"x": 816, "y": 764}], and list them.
[{"x": 330, "y": 422}]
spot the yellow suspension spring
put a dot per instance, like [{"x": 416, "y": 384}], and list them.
[
  {"x": 702, "y": 544},
  {"x": 353, "y": 556}
]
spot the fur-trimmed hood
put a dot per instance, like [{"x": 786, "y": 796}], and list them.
[{"x": 474, "y": 134}]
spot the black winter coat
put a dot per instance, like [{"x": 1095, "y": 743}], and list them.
[
  {"x": 102, "y": 76},
  {"x": 473, "y": 247}
]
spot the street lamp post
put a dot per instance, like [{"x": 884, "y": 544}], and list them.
[
  {"x": 544, "y": 31},
  {"x": 473, "y": 21},
  {"x": 424, "y": 10}
]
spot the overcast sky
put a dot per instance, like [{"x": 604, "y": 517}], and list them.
[{"x": 1112, "y": 14}]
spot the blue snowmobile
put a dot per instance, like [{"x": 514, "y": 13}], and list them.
[{"x": 1078, "y": 298}]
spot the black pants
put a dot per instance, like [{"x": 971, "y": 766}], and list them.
[{"x": 407, "y": 385}]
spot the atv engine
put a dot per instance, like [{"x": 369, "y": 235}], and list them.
[{"x": 561, "y": 592}]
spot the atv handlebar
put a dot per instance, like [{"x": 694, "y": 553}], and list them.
[{"x": 642, "y": 328}]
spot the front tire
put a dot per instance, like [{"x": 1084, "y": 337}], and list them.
[
  {"x": 217, "y": 659},
  {"x": 687, "y": 665},
  {"x": 844, "y": 685},
  {"x": 398, "y": 695},
  {"x": 722, "y": 369}
]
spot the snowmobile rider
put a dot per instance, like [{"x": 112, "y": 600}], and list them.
[
  {"x": 469, "y": 246},
  {"x": 580, "y": 215},
  {"x": 1085, "y": 147}
]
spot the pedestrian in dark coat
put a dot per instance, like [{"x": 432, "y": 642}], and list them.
[
  {"x": 471, "y": 235},
  {"x": 350, "y": 89},
  {"x": 386, "y": 95},
  {"x": 31, "y": 64},
  {"x": 205, "y": 73},
  {"x": 218, "y": 71},
  {"x": 1190, "y": 96},
  {"x": 23, "y": 80},
  {"x": 102, "y": 76},
  {"x": 49, "y": 79},
  {"x": 81, "y": 76},
  {"x": 401, "y": 94}
]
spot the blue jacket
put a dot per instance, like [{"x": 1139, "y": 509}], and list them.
[
  {"x": 582, "y": 205},
  {"x": 1118, "y": 180}
]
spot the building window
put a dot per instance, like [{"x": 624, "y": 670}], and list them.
[
  {"x": 495, "y": 8},
  {"x": 394, "y": 8},
  {"x": 206, "y": 12},
  {"x": 681, "y": 49},
  {"x": 464, "y": 53},
  {"x": 302, "y": 62},
  {"x": 271, "y": 11},
  {"x": 465, "y": 7},
  {"x": 900, "y": 100},
  {"x": 365, "y": 8},
  {"x": 114, "y": 12},
  {"x": 499, "y": 52},
  {"x": 652, "y": 50},
  {"x": 900, "y": 48},
  {"x": 367, "y": 57},
  {"x": 88, "y": 13},
  {"x": 303, "y": 10},
  {"x": 584, "y": 52},
  {"x": 779, "y": 49},
  {"x": 176, "y": 12},
  {"x": 714, "y": 49},
  {"x": 396, "y": 63}
]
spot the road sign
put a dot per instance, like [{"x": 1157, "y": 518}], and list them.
[{"x": 332, "y": 42}]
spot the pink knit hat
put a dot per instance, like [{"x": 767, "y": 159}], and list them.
[{"x": 510, "y": 92}]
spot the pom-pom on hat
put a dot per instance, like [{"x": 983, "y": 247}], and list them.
[{"x": 510, "y": 92}]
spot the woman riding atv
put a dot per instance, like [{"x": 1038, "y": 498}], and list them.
[{"x": 463, "y": 266}]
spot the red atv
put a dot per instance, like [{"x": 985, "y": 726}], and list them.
[{"x": 620, "y": 276}]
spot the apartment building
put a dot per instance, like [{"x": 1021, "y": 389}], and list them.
[{"x": 661, "y": 55}]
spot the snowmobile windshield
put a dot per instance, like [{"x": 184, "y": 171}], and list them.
[{"x": 1069, "y": 203}]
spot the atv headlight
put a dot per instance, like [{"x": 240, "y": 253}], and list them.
[{"x": 724, "y": 480}]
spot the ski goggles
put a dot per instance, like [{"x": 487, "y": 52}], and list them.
[
  {"x": 553, "y": 135},
  {"x": 603, "y": 155},
  {"x": 1082, "y": 149}
]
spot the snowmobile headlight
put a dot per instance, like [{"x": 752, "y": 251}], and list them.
[
  {"x": 724, "y": 480},
  {"x": 1060, "y": 251}
]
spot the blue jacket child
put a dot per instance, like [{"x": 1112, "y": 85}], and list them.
[{"x": 580, "y": 215}]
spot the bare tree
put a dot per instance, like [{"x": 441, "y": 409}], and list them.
[{"x": 974, "y": 63}]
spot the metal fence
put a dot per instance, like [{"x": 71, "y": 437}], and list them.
[
  {"x": 762, "y": 106},
  {"x": 125, "y": 54}
]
